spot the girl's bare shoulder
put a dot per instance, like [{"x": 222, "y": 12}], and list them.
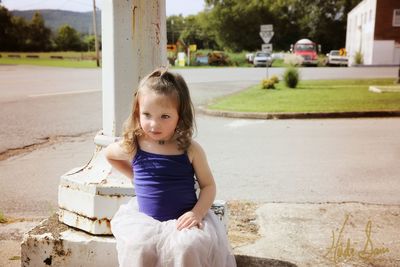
[
  {"x": 116, "y": 151},
  {"x": 195, "y": 150}
]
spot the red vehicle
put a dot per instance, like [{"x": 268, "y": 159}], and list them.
[{"x": 306, "y": 49}]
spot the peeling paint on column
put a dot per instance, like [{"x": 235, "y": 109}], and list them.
[
  {"x": 134, "y": 20},
  {"x": 157, "y": 32}
]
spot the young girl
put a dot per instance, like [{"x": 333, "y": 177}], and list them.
[{"x": 166, "y": 224}]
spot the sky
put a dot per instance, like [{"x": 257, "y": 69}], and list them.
[{"x": 174, "y": 7}]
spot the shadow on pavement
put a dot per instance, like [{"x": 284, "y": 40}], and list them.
[{"x": 249, "y": 261}]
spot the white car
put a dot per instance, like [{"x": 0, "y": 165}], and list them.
[
  {"x": 262, "y": 59},
  {"x": 334, "y": 58}
]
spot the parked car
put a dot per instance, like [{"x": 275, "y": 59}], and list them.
[
  {"x": 262, "y": 59},
  {"x": 336, "y": 59}
]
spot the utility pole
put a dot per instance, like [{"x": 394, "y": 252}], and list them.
[
  {"x": 172, "y": 31},
  {"x": 96, "y": 43}
]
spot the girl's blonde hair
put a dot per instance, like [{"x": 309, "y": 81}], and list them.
[{"x": 169, "y": 84}]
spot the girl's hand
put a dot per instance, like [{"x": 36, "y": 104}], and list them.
[{"x": 189, "y": 220}]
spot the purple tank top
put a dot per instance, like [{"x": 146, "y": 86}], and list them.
[{"x": 164, "y": 184}]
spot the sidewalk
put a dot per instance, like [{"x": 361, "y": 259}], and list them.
[{"x": 328, "y": 234}]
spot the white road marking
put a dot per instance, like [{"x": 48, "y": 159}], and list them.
[
  {"x": 65, "y": 93},
  {"x": 243, "y": 122}
]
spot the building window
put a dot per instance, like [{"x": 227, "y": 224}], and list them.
[{"x": 396, "y": 18}]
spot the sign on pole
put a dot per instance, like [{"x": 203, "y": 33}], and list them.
[
  {"x": 266, "y": 28},
  {"x": 266, "y": 32},
  {"x": 266, "y": 48},
  {"x": 266, "y": 36}
]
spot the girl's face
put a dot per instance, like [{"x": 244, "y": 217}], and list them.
[{"x": 158, "y": 115}]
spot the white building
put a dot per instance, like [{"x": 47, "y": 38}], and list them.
[{"x": 373, "y": 29}]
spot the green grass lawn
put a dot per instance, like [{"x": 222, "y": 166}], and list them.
[
  {"x": 69, "y": 59},
  {"x": 313, "y": 96}
]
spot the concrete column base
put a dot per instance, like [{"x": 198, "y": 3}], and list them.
[{"x": 52, "y": 243}]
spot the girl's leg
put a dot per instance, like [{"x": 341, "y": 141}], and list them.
[
  {"x": 206, "y": 247},
  {"x": 136, "y": 236},
  {"x": 192, "y": 255},
  {"x": 137, "y": 255},
  {"x": 185, "y": 248}
]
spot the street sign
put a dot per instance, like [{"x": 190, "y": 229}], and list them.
[
  {"x": 266, "y": 48},
  {"x": 266, "y": 32},
  {"x": 266, "y": 36},
  {"x": 193, "y": 48},
  {"x": 266, "y": 28}
]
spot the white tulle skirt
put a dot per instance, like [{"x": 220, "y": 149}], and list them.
[{"x": 144, "y": 241}]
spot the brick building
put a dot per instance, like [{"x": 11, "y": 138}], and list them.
[{"x": 373, "y": 28}]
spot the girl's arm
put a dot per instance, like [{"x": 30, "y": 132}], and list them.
[
  {"x": 207, "y": 189},
  {"x": 119, "y": 159}
]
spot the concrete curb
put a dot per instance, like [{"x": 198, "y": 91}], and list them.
[{"x": 299, "y": 115}]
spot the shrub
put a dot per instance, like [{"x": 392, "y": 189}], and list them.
[
  {"x": 293, "y": 60},
  {"x": 291, "y": 77},
  {"x": 274, "y": 78},
  {"x": 268, "y": 84}
]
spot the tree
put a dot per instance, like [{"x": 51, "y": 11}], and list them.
[
  {"x": 19, "y": 34},
  {"x": 175, "y": 25},
  {"x": 68, "y": 39},
  {"x": 287, "y": 29},
  {"x": 236, "y": 23},
  {"x": 196, "y": 32},
  {"x": 193, "y": 29},
  {"x": 89, "y": 43},
  {"x": 6, "y": 26},
  {"x": 206, "y": 34},
  {"x": 39, "y": 35}
]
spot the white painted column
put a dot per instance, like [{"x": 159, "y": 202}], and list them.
[{"x": 133, "y": 44}]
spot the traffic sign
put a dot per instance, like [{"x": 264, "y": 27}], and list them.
[
  {"x": 266, "y": 28},
  {"x": 266, "y": 32},
  {"x": 266, "y": 48},
  {"x": 193, "y": 48},
  {"x": 266, "y": 36}
]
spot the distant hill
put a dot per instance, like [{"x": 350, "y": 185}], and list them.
[{"x": 80, "y": 21}]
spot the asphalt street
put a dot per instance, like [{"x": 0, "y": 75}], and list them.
[{"x": 41, "y": 102}]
